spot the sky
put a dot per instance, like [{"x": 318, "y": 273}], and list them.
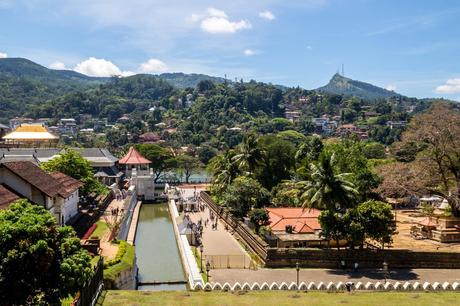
[{"x": 409, "y": 46}]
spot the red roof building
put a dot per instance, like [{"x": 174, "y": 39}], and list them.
[
  {"x": 133, "y": 157},
  {"x": 56, "y": 192},
  {"x": 301, "y": 221},
  {"x": 294, "y": 227}
]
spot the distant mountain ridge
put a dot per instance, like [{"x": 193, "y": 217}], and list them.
[
  {"x": 24, "y": 68},
  {"x": 345, "y": 86}
]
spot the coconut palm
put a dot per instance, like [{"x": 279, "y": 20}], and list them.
[
  {"x": 326, "y": 190},
  {"x": 248, "y": 154},
  {"x": 224, "y": 170}
]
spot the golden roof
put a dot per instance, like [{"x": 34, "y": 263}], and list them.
[
  {"x": 31, "y": 128},
  {"x": 30, "y": 132}
]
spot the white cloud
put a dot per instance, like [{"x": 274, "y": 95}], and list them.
[
  {"x": 217, "y": 22},
  {"x": 100, "y": 68},
  {"x": 309, "y": 47},
  {"x": 3, "y": 55},
  {"x": 217, "y": 25},
  {"x": 212, "y": 12},
  {"x": 451, "y": 86},
  {"x": 267, "y": 15},
  {"x": 58, "y": 66},
  {"x": 390, "y": 87},
  {"x": 153, "y": 65},
  {"x": 249, "y": 52}
]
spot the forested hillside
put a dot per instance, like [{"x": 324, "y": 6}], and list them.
[{"x": 200, "y": 110}]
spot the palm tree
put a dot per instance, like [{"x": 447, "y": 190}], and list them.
[
  {"x": 326, "y": 190},
  {"x": 224, "y": 170},
  {"x": 248, "y": 154}
]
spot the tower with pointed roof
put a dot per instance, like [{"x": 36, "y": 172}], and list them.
[{"x": 136, "y": 168}]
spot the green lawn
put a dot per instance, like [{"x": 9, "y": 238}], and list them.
[
  {"x": 196, "y": 252},
  {"x": 126, "y": 261},
  {"x": 279, "y": 298},
  {"x": 100, "y": 230}
]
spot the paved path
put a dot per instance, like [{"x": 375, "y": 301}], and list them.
[
  {"x": 325, "y": 275},
  {"x": 216, "y": 242}
]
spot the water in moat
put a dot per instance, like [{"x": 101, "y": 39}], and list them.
[{"x": 158, "y": 257}]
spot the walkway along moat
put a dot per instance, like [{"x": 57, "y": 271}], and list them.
[{"x": 158, "y": 258}]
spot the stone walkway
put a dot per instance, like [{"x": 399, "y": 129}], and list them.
[
  {"x": 325, "y": 275},
  {"x": 216, "y": 242}
]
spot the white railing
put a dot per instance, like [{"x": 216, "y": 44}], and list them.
[
  {"x": 331, "y": 286},
  {"x": 186, "y": 253}
]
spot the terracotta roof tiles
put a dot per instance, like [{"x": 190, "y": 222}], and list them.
[
  {"x": 133, "y": 157},
  {"x": 7, "y": 197}
]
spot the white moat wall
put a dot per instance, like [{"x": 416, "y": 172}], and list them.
[{"x": 340, "y": 286}]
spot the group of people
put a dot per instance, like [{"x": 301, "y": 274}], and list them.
[{"x": 116, "y": 211}]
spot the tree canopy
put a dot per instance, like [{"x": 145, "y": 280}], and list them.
[
  {"x": 435, "y": 165},
  {"x": 40, "y": 261},
  {"x": 74, "y": 165}
]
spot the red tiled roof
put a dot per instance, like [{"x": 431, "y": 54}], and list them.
[
  {"x": 50, "y": 184},
  {"x": 302, "y": 220},
  {"x": 68, "y": 184},
  {"x": 35, "y": 176},
  {"x": 7, "y": 197},
  {"x": 133, "y": 157}
]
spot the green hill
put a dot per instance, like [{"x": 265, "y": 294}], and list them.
[
  {"x": 344, "y": 86},
  {"x": 183, "y": 80},
  {"x": 24, "y": 68}
]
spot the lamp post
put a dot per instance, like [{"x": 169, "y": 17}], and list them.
[
  {"x": 297, "y": 268},
  {"x": 385, "y": 271},
  {"x": 208, "y": 267},
  {"x": 201, "y": 258}
]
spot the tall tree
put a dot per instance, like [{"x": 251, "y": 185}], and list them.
[
  {"x": 244, "y": 194},
  {"x": 188, "y": 164},
  {"x": 223, "y": 170},
  {"x": 377, "y": 220},
  {"x": 436, "y": 134},
  {"x": 40, "y": 261},
  {"x": 74, "y": 165},
  {"x": 248, "y": 154},
  {"x": 162, "y": 158},
  {"x": 326, "y": 189}
]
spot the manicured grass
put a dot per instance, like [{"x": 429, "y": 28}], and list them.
[
  {"x": 196, "y": 252},
  {"x": 100, "y": 230},
  {"x": 126, "y": 262},
  {"x": 279, "y": 298}
]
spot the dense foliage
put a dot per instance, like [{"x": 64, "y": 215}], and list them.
[
  {"x": 40, "y": 261},
  {"x": 428, "y": 158},
  {"x": 74, "y": 165},
  {"x": 335, "y": 177}
]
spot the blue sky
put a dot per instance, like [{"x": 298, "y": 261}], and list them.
[{"x": 410, "y": 46}]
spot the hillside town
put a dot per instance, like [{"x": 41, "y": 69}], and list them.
[{"x": 240, "y": 153}]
